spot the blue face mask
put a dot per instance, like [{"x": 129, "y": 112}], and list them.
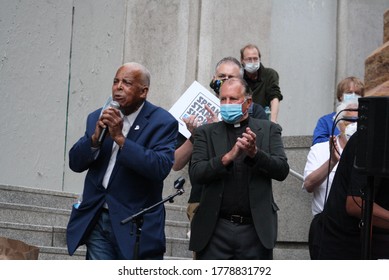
[
  {"x": 231, "y": 113},
  {"x": 350, "y": 97}
]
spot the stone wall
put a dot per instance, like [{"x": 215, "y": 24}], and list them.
[
  {"x": 58, "y": 58},
  {"x": 377, "y": 66},
  {"x": 57, "y": 61},
  {"x": 386, "y": 26}
]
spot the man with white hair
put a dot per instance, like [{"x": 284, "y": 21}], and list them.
[
  {"x": 125, "y": 173},
  {"x": 236, "y": 160},
  {"x": 323, "y": 158}
]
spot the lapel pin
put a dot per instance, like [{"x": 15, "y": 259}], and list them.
[{"x": 136, "y": 127}]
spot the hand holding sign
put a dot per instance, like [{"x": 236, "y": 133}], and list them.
[
  {"x": 196, "y": 101},
  {"x": 213, "y": 117},
  {"x": 191, "y": 123}
]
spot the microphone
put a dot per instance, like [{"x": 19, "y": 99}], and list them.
[
  {"x": 179, "y": 183},
  {"x": 349, "y": 119},
  {"x": 112, "y": 104}
]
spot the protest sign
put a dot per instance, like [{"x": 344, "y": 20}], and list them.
[{"x": 192, "y": 102}]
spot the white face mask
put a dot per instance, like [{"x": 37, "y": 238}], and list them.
[
  {"x": 350, "y": 130},
  {"x": 251, "y": 67}
]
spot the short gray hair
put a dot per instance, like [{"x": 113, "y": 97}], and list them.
[{"x": 233, "y": 60}]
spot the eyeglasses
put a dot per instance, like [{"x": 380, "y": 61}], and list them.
[{"x": 251, "y": 59}]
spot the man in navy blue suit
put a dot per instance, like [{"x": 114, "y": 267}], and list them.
[{"x": 125, "y": 172}]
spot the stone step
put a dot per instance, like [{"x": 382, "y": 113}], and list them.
[
  {"x": 52, "y": 241},
  {"x": 59, "y": 253},
  {"x": 178, "y": 247},
  {"x": 176, "y": 213},
  {"x": 50, "y": 253},
  {"x": 39, "y": 217},
  {"x": 51, "y": 218},
  {"x": 55, "y": 236},
  {"x": 176, "y": 229},
  {"x": 36, "y": 197},
  {"x": 34, "y": 234},
  {"x": 33, "y": 215},
  {"x": 62, "y": 200}
]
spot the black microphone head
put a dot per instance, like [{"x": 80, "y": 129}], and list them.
[{"x": 179, "y": 183}]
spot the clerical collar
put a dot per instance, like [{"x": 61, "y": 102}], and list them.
[{"x": 245, "y": 122}]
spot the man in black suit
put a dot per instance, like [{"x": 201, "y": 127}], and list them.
[
  {"x": 227, "y": 68},
  {"x": 236, "y": 160}
]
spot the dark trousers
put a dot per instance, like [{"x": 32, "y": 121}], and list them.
[
  {"x": 231, "y": 241},
  {"x": 314, "y": 237}
]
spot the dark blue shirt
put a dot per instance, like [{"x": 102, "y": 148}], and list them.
[{"x": 323, "y": 129}]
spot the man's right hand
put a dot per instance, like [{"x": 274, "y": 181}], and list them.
[
  {"x": 95, "y": 135},
  {"x": 111, "y": 119},
  {"x": 213, "y": 118},
  {"x": 191, "y": 123}
]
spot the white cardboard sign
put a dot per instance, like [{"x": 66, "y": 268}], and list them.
[{"x": 192, "y": 102}]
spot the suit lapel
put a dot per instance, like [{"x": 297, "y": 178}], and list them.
[
  {"x": 140, "y": 123},
  {"x": 137, "y": 128},
  {"x": 257, "y": 129}
]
